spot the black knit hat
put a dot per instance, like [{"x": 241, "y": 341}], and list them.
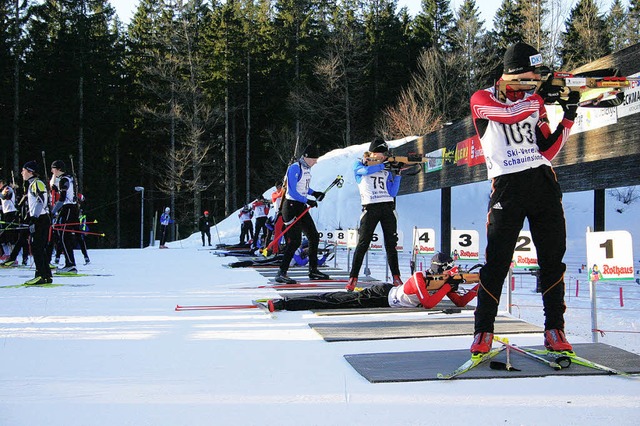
[
  {"x": 378, "y": 145},
  {"x": 311, "y": 151},
  {"x": 31, "y": 166},
  {"x": 520, "y": 58},
  {"x": 58, "y": 164}
]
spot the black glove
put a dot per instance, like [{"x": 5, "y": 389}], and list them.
[
  {"x": 549, "y": 93},
  {"x": 570, "y": 106},
  {"x": 318, "y": 195},
  {"x": 312, "y": 203}
]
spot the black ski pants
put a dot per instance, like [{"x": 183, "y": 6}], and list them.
[
  {"x": 385, "y": 215},
  {"x": 376, "y": 296},
  {"x": 208, "y": 234},
  {"x": 533, "y": 194},
  {"x": 260, "y": 227},
  {"x": 39, "y": 238},
  {"x": 68, "y": 214},
  {"x": 290, "y": 211},
  {"x": 246, "y": 231}
]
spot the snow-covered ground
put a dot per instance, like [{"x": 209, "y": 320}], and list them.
[{"x": 111, "y": 349}]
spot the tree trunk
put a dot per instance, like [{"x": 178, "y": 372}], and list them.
[
  {"x": 16, "y": 92},
  {"x": 248, "y": 137}
]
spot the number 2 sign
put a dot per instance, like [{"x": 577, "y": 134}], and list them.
[
  {"x": 610, "y": 255},
  {"x": 525, "y": 254}
]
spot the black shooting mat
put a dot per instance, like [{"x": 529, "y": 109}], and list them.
[
  {"x": 444, "y": 306},
  {"x": 403, "y": 329},
  {"x": 425, "y": 365}
]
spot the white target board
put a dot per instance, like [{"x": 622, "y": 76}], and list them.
[
  {"x": 610, "y": 255},
  {"x": 424, "y": 241},
  {"x": 341, "y": 237},
  {"x": 525, "y": 254},
  {"x": 465, "y": 245}
]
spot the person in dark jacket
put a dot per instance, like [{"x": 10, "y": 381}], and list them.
[{"x": 204, "y": 225}]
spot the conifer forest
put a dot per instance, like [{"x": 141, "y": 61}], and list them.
[{"x": 204, "y": 103}]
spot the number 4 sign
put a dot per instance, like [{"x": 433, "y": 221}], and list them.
[
  {"x": 610, "y": 255},
  {"x": 424, "y": 241}
]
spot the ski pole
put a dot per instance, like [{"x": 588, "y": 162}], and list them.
[
  {"x": 62, "y": 229},
  {"x": 275, "y": 241},
  {"x": 77, "y": 223},
  {"x": 2, "y": 222},
  {"x": 558, "y": 364},
  {"x": 338, "y": 181}
]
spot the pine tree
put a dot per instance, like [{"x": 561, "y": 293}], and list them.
[
  {"x": 386, "y": 46},
  {"x": 615, "y": 25},
  {"x": 434, "y": 24},
  {"x": 506, "y": 24},
  {"x": 585, "y": 38},
  {"x": 532, "y": 27},
  {"x": 633, "y": 22},
  {"x": 466, "y": 42}
]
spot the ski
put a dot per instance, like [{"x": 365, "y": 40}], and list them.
[
  {"x": 577, "y": 360},
  {"x": 77, "y": 274},
  {"x": 263, "y": 305},
  {"x": 311, "y": 283},
  {"x": 474, "y": 361},
  {"x": 557, "y": 363},
  {"x": 326, "y": 285},
  {"x": 49, "y": 285},
  {"x": 213, "y": 307}
]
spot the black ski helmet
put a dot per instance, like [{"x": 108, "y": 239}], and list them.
[
  {"x": 311, "y": 151},
  {"x": 378, "y": 145},
  {"x": 58, "y": 164},
  {"x": 441, "y": 262}
]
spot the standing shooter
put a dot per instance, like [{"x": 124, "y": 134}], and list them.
[
  {"x": 39, "y": 223},
  {"x": 378, "y": 186},
  {"x": 293, "y": 207},
  {"x": 66, "y": 211},
  {"x": 518, "y": 146}
]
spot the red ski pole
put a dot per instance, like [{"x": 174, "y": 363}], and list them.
[
  {"x": 336, "y": 182},
  {"x": 62, "y": 229},
  {"x": 275, "y": 241}
]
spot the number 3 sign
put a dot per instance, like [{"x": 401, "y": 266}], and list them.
[{"x": 610, "y": 255}]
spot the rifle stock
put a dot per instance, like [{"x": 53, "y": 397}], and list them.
[
  {"x": 409, "y": 159},
  {"x": 434, "y": 282}
]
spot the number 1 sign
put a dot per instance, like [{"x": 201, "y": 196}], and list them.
[{"x": 610, "y": 255}]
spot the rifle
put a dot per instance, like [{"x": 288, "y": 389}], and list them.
[
  {"x": 434, "y": 282},
  {"x": 555, "y": 86},
  {"x": 44, "y": 167},
  {"x": 75, "y": 178},
  {"x": 412, "y": 161}
]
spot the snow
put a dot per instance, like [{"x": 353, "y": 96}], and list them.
[{"x": 111, "y": 350}]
